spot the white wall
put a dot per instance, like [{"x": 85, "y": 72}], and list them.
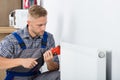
[
  {"x": 94, "y": 23},
  {"x": 55, "y": 18}
]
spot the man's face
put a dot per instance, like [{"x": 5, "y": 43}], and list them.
[{"x": 37, "y": 26}]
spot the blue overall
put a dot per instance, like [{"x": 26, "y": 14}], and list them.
[{"x": 27, "y": 72}]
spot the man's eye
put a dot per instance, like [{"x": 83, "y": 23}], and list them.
[{"x": 40, "y": 25}]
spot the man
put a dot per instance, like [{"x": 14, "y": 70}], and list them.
[{"x": 23, "y": 52}]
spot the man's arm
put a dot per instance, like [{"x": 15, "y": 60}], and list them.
[
  {"x": 52, "y": 66},
  {"x": 48, "y": 58},
  {"x": 7, "y": 46},
  {"x": 6, "y": 63}
]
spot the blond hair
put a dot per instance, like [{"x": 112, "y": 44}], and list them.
[{"x": 37, "y": 11}]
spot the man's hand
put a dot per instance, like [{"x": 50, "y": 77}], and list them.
[
  {"x": 48, "y": 56},
  {"x": 29, "y": 62}
]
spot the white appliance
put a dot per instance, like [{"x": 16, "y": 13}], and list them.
[
  {"x": 84, "y": 63},
  {"x": 18, "y": 18}
]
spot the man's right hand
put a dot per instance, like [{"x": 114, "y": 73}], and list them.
[
  {"x": 6, "y": 63},
  {"x": 28, "y": 62}
]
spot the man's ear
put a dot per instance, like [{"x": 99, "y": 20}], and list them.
[{"x": 28, "y": 22}]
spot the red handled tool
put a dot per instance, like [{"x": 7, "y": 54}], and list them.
[{"x": 56, "y": 50}]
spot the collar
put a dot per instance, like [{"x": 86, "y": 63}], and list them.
[{"x": 27, "y": 35}]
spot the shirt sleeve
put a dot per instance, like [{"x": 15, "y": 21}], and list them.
[
  {"x": 51, "y": 42},
  {"x": 6, "y": 48},
  {"x": 56, "y": 59}
]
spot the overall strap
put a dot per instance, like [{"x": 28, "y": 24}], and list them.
[
  {"x": 20, "y": 41},
  {"x": 44, "y": 40},
  {"x": 12, "y": 74}
]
